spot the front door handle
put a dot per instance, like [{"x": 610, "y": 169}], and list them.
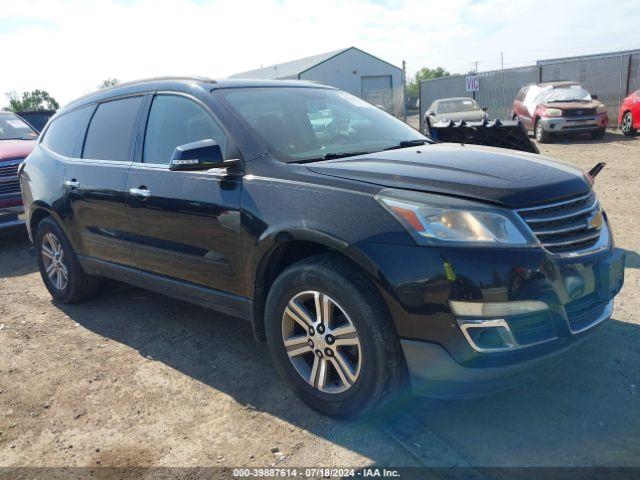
[
  {"x": 142, "y": 193},
  {"x": 73, "y": 183}
]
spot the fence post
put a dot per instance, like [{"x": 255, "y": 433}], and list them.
[{"x": 420, "y": 106}]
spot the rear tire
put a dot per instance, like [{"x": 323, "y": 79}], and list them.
[
  {"x": 376, "y": 368},
  {"x": 61, "y": 272},
  {"x": 627, "y": 125},
  {"x": 542, "y": 136},
  {"x": 598, "y": 134}
]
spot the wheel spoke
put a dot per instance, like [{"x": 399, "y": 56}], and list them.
[
  {"x": 297, "y": 346},
  {"x": 345, "y": 336},
  {"x": 58, "y": 280},
  {"x": 342, "y": 367},
  {"x": 318, "y": 297},
  {"x": 47, "y": 252},
  {"x": 319, "y": 373},
  {"x": 299, "y": 314},
  {"x": 63, "y": 272}
]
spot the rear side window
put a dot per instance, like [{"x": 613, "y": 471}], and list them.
[
  {"x": 110, "y": 135},
  {"x": 65, "y": 134},
  {"x": 174, "y": 121}
]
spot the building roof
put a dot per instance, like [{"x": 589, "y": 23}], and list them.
[{"x": 294, "y": 68}]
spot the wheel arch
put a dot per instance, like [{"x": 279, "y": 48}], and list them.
[
  {"x": 38, "y": 212},
  {"x": 288, "y": 247}
]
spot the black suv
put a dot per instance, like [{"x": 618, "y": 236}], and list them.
[{"x": 365, "y": 255}]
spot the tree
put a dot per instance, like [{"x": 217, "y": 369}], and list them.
[
  {"x": 109, "y": 82},
  {"x": 35, "y": 100},
  {"x": 424, "y": 73}
]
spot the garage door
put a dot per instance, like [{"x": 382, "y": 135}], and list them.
[{"x": 377, "y": 90}]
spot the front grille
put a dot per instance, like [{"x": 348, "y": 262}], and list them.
[
  {"x": 568, "y": 226},
  {"x": 578, "y": 112},
  {"x": 9, "y": 170},
  {"x": 12, "y": 186},
  {"x": 532, "y": 328},
  {"x": 583, "y": 312}
]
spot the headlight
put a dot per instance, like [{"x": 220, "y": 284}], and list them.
[
  {"x": 554, "y": 112},
  {"x": 433, "y": 219}
]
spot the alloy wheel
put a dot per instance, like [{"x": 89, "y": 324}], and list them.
[
  {"x": 54, "y": 261},
  {"x": 321, "y": 342},
  {"x": 539, "y": 131},
  {"x": 626, "y": 122}
]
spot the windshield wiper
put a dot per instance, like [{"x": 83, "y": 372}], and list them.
[{"x": 408, "y": 143}]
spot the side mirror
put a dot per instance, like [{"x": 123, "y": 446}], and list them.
[
  {"x": 594, "y": 97},
  {"x": 484, "y": 109},
  {"x": 201, "y": 155},
  {"x": 430, "y": 113}
]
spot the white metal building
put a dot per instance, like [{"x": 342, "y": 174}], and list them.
[{"x": 349, "y": 69}]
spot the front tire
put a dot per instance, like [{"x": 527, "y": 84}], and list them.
[
  {"x": 627, "y": 125},
  {"x": 598, "y": 134},
  {"x": 61, "y": 272},
  {"x": 542, "y": 136},
  {"x": 331, "y": 337}
]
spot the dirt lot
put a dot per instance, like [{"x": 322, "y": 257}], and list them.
[{"x": 131, "y": 378}]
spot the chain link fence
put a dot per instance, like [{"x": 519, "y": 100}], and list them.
[{"x": 610, "y": 76}]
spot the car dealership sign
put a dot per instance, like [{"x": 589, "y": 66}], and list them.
[{"x": 473, "y": 83}]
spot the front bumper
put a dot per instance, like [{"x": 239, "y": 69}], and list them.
[
  {"x": 419, "y": 282},
  {"x": 11, "y": 217},
  {"x": 575, "y": 124}
]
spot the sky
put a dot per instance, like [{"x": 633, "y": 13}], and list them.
[{"x": 69, "y": 47}]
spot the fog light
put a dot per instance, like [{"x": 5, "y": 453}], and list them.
[
  {"x": 488, "y": 335},
  {"x": 495, "y": 309}
]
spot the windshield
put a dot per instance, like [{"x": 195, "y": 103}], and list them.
[
  {"x": 13, "y": 127},
  {"x": 572, "y": 94},
  {"x": 457, "y": 105},
  {"x": 305, "y": 124}
]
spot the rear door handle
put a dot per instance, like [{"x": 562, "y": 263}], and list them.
[
  {"x": 73, "y": 183},
  {"x": 142, "y": 192}
]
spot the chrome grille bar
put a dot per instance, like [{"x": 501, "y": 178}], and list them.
[{"x": 567, "y": 226}]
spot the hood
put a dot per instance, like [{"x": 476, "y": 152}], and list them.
[
  {"x": 495, "y": 175},
  {"x": 12, "y": 149},
  {"x": 578, "y": 105},
  {"x": 474, "y": 116}
]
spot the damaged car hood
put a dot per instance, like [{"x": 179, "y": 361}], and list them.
[{"x": 500, "y": 176}]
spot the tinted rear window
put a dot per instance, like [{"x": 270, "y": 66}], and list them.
[
  {"x": 65, "y": 134},
  {"x": 111, "y": 130}
]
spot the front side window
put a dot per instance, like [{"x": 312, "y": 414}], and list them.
[
  {"x": 110, "y": 134},
  {"x": 174, "y": 121},
  {"x": 306, "y": 124},
  {"x": 13, "y": 127},
  {"x": 65, "y": 133}
]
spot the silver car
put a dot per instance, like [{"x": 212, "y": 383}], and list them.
[{"x": 453, "y": 109}]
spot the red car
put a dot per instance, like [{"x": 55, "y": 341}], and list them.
[
  {"x": 629, "y": 116},
  {"x": 17, "y": 139},
  {"x": 554, "y": 108}
]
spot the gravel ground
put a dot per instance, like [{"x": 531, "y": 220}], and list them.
[{"x": 132, "y": 378}]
